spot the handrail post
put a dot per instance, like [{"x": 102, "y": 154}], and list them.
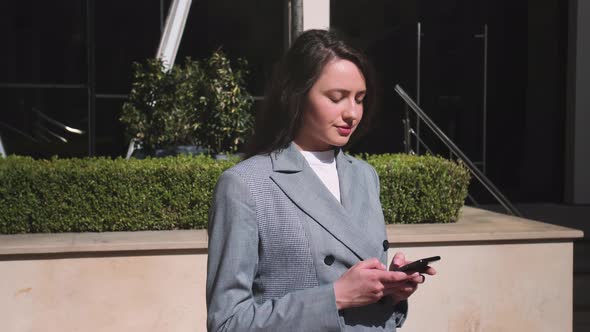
[
  {"x": 485, "y": 99},
  {"x": 485, "y": 37},
  {"x": 418, "y": 74},
  {"x": 406, "y": 121}
]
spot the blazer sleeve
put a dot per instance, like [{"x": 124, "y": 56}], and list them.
[{"x": 232, "y": 266}]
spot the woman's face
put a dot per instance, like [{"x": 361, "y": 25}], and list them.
[{"x": 334, "y": 107}]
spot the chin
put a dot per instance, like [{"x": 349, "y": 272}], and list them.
[{"x": 340, "y": 142}]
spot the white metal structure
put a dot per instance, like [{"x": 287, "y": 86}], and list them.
[
  {"x": 2, "y": 152},
  {"x": 170, "y": 40}
]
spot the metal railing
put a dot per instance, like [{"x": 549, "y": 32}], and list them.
[{"x": 479, "y": 175}]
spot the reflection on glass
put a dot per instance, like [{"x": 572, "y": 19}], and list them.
[{"x": 44, "y": 122}]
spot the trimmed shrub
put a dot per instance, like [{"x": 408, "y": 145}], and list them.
[
  {"x": 420, "y": 189},
  {"x": 101, "y": 194}
]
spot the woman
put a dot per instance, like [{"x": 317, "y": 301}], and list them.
[{"x": 296, "y": 232}]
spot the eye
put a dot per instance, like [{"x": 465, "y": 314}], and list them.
[
  {"x": 335, "y": 98},
  {"x": 360, "y": 98}
]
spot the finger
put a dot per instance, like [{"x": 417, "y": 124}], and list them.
[
  {"x": 390, "y": 291},
  {"x": 393, "y": 266},
  {"x": 430, "y": 271},
  {"x": 403, "y": 284},
  {"x": 419, "y": 279},
  {"x": 408, "y": 288},
  {"x": 399, "y": 259},
  {"x": 394, "y": 276},
  {"x": 412, "y": 280},
  {"x": 371, "y": 263},
  {"x": 405, "y": 291}
]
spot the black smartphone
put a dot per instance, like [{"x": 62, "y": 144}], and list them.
[{"x": 419, "y": 265}]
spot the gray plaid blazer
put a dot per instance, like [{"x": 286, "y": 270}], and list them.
[{"x": 278, "y": 239}]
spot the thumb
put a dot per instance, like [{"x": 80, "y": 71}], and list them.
[{"x": 399, "y": 259}]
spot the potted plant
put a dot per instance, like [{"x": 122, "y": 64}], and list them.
[
  {"x": 227, "y": 117},
  {"x": 200, "y": 104}
]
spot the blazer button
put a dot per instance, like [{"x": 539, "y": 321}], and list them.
[
  {"x": 329, "y": 260},
  {"x": 385, "y": 245}
]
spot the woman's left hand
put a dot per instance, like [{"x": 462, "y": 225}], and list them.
[{"x": 400, "y": 291}]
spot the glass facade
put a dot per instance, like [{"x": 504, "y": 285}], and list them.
[
  {"x": 66, "y": 71},
  {"x": 436, "y": 51},
  {"x": 43, "y": 77},
  {"x": 68, "y": 63}
]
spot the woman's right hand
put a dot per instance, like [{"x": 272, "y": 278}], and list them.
[{"x": 364, "y": 283}]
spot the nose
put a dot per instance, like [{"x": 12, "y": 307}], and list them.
[{"x": 353, "y": 111}]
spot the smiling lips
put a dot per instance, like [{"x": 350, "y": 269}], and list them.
[{"x": 344, "y": 130}]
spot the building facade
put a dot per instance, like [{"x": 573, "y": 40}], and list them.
[{"x": 507, "y": 81}]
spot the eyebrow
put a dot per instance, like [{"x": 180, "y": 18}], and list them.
[{"x": 345, "y": 91}]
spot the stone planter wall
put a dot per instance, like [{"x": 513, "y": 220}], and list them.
[{"x": 497, "y": 273}]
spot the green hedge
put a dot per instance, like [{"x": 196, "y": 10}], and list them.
[
  {"x": 100, "y": 194},
  {"x": 420, "y": 189}
]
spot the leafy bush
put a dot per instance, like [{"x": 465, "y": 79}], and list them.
[
  {"x": 418, "y": 189},
  {"x": 201, "y": 103},
  {"x": 228, "y": 117},
  {"x": 100, "y": 194},
  {"x": 163, "y": 107}
]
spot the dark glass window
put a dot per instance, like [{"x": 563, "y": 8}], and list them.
[
  {"x": 110, "y": 139},
  {"x": 386, "y": 31},
  {"x": 250, "y": 29},
  {"x": 525, "y": 80},
  {"x": 126, "y": 31},
  {"x": 44, "y": 78},
  {"x": 42, "y": 42},
  {"x": 33, "y": 121}
]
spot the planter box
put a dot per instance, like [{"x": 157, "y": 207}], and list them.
[{"x": 497, "y": 273}]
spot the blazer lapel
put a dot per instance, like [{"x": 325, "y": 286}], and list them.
[
  {"x": 300, "y": 183},
  {"x": 351, "y": 189}
]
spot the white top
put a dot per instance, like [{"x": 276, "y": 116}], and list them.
[{"x": 323, "y": 164}]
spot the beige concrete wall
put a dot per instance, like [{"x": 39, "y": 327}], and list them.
[
  {"x": 505, "y": 287},
  {"x": 497, "y": 273},
  {"x": 137, "y": 293}
]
